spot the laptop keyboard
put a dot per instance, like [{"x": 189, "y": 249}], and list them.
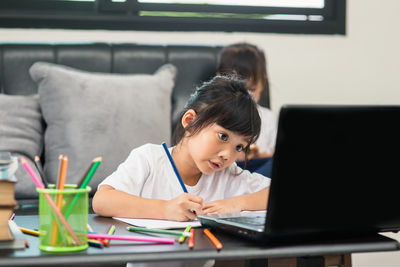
[{"x": 251, "y": 220}]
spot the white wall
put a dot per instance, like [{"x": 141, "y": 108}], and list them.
[{"x": 362, "y": 67}]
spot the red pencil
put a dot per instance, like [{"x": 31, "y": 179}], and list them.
[{"x": 191, "y": 239}]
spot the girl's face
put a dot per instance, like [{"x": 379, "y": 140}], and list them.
[{"x": 215, "y": 148}]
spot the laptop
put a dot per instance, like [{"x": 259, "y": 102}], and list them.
[{"x": 336, "y": 172}]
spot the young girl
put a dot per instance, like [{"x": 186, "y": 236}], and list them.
[{"x": 218, "y": 124}]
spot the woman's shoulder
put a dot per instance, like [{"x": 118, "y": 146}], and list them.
[
  {"x": 266, "y": 114},
  {"x": 264, "y": 111}
]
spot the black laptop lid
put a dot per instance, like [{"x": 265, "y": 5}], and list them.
[{"x": 336, "y": 169}]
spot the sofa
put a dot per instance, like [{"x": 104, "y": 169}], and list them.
[{"x": 86, "y": 100}]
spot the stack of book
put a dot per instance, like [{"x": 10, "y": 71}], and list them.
[{"x": 8, "y": 167}]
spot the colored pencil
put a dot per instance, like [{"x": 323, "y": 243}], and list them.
[
  {"x": 41, "y": 172},
  {"x": 133, "y": 238},
  {"x": 60, "y": 160},
  {"x": 79, "y": 184},
  {"x": 95, "y": 165},
  {"x": 110, "y": 231},
  {"x": 103, "y": 241},
  {"x": 174, "y": 167},
  {"x": 157, "y": 231},
  {"x": 91, "y": 242},
  {"x": 26, "y": 243},
  {"x": 191, "y": 239},
  {"x": 39, "y": 184},
  {"x": 182, "y": 237},
  {"x": 95, "y": 243},
  {"x": 60, "y": 186},
  {"x": 12, "y": 216},
  {"x": 90, "y": 229},
  {"x": 29, "y": 231},
  {"x": 71, "y": 206},
  {"x": 213, "y": 239}
]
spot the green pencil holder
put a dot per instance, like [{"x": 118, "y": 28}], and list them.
[{"x": 73, "y": 205}]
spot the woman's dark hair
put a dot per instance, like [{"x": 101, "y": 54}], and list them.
[
  {"x": 246, "y": 61},
  {"x": 225, "y": 101}
]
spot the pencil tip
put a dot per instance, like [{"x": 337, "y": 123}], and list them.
[
  {"x": 37, "y": 158},
  {"x": 22, "y": 159},
  {"x": 98, "y": 159}
]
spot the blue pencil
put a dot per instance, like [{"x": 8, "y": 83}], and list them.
[{"x": 174, "y": 167}]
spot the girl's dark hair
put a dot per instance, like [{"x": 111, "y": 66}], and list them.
[
  {"x": 246, "y": 61},
  {"x": 225, "y": 101}
]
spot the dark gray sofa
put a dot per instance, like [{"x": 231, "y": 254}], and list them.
[{"x": 194, "y": 63}]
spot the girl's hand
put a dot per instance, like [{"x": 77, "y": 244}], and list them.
[
  {"x": 186, "y": 207},
  {"x": 221, "y": 206}
]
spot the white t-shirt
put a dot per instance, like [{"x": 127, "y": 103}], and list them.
[
  {"x": 147, "y": 173},
  {"x": 266, "y": 140}
]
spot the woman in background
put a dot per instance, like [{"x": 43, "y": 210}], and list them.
[{"x": 248, "y": 62}]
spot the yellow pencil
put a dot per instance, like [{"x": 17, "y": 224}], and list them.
[
  {"x": 182, "y": 238},
  {"x": 29, "y": 231},
  {"x": 60, "y": 184}
]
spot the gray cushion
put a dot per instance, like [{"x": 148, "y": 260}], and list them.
[
  {"x": 21, "y": 125},
  {"x": 21, "y": 132},
  {"x": 98, "y": 114}
]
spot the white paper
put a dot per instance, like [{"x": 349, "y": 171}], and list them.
[{"x": 158, "y": 224}]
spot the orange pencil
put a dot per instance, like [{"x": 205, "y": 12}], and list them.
[
  {"x": 213, "y": 239},
  {"x": 191, "y": 239},
  {"x": 63, "y": 175}
]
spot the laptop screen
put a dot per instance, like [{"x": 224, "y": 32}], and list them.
[{"x": 336, "y": 169}]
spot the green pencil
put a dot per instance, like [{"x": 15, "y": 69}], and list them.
[
  {"x": 158, "y": 231},
  {"x": 96, "y": 163},
  {"x": 182, "y": 238},
  {"x": 110, "y": 231}
]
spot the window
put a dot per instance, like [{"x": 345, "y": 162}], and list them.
[{"x": 278, "y": 16}]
